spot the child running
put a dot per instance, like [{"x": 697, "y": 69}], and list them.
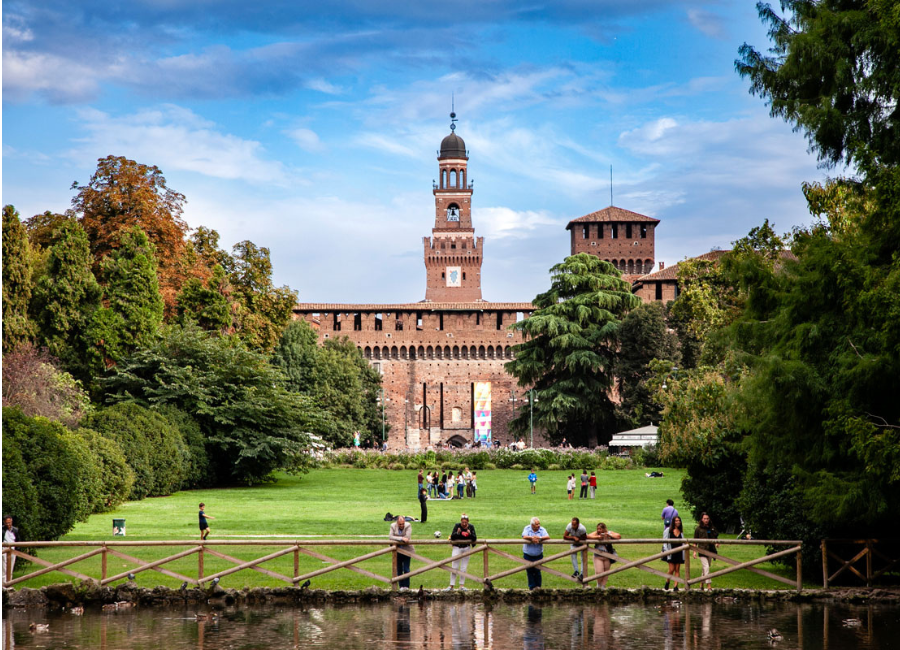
[
  {"x": 532, "y": 478},
  {"x": 204, "y": 526}
]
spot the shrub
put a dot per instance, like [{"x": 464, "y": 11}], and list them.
[
  {"x": 152, "y": 445},
  {"x": 198, "y": 472},
  {"x": 116, "y": 478},
  {"x": 58, "y": 466}
]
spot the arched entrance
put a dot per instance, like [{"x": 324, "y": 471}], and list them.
[{"x": 457, "y": 441}]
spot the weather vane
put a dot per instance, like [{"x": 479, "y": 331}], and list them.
[{"x": 452, "y": 112}]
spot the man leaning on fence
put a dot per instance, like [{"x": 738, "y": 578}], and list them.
[
  {"x": 401, "y": 531},
  {"x": 533, "y": 550},
  {"x": 463, "y": 539}
]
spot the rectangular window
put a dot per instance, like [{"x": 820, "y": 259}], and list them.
[
  {"x": 478, "y": 318},
  {"x": 453, "y": 245},
  {"x": 585, "y": 231},
  {"x": 500, "y": 320},
  {"x": 627, "y": 231},
  {"x": 599, "y": 231},
  {"x": 615, "y": 230},
  {"x": 378, "y": 322},
  {"x": 464, "y": 275},
  {"x": 440, "y": 321},
  {"x": 357, "y": 322},
  {"x": 659, "y": 290},
  {"x": 337, "y": 322},
  {"x": 643, "y": 231},
  {"x": 418, "y": 320}
]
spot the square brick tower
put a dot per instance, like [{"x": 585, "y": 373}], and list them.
[
  {"x": 624, "y": 238},
  {"x": 453, "y": 254}
]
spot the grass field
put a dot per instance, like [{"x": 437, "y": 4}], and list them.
[{"x": 350, "y": 502}]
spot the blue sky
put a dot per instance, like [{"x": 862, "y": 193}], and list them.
[{"x": 311, "y": 127}]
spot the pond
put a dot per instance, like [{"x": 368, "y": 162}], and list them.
[{"x": 460, "y": 625}]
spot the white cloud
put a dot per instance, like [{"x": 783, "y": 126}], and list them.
[
  {"x": 59, "y": 79},
  {"x": 306, "y": 139},
  {"x": 506, "y": 223},
  {"x": 707, "y": 22},
  {"x": 324, "y": 86},
  {"x": 176, "y": 138}
]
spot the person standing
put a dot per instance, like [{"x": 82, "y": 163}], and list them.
[
  {"x": 570, "y": 486},
  {"x": 356, "y": 439},
  {"x": 532, "y": 478},
  {"x": 604, "y": 543},
  {"x": 451, "y": 484},
  {"x": 576, "y": 533},
  {"x": 674, "y": 531},
  {"x": 429, "y": 483},
  {"x": 468, "y": 477},
  {"x": 10, "y": 536},
  {"x": 533, "y": 550},
  {"x": 474, "y": 484},
  {"x": 705, "y": 530},
  {"x": 423, "y": 505},
  {"x": 668, "y": 514},
  {"x": 593, "y": 484},
  {"x": 463, "y": 538},
  {"x": 584, "y": 484},
  {"x": 460, "y": 485},
  {"x": 204, "y": 525},
  {"x": 420, "y": 481},
  {"x": 401, "y": 532}
]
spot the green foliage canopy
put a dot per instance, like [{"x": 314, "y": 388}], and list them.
[{"x": 17, "y": 281}]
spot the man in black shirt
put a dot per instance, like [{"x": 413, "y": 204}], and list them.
[{"x": 463, "y": 538}]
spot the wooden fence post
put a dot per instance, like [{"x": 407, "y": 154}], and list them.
[
  {"x": 687, "y": 569},
  {"x": 394, "y": 585},
  {"x": 296, "y": 560},
  {"x": 584, "y": 568},
  {"x": 824, "y": 564},
  {"x": 799, "y": 571},
  {"x": 103, "y": 563},
  {"x": 485, "y": 566},
  {"x": 200, "y": 563}
]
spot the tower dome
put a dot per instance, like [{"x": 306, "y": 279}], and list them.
[{"x": 453, "y": 146}]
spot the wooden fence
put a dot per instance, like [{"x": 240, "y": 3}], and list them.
[
  {"x": 874, "y": 552},
  {"x": 312, "y": 548}
]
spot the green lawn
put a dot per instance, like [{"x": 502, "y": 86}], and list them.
[{"x": 351, "y": 502}]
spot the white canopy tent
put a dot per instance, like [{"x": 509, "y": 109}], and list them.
[{"x": 642, "y": 437}]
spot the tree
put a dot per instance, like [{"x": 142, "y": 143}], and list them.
[
  {"x": 570, "y": 349},
  {"x": 644, "y": 336},
  {"x": 122, "y": 194},
  {"x": 133, "y": 311},
  {"x": 33, "y": 383},
  {"x": 266, "y": 310},
  {"x": 41, "y": 227},
  {"x": 252, "y": 424},
  {"x": 295, "y": 355},
  {"x": 17, "y": 281},
  {"x": 208, "y": 303},
  {"x": 66, "y": 298}
]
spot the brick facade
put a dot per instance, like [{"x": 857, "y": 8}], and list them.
[{"x": 622, "y": 237}]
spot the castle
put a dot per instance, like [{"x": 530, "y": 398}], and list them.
[{"x": 442, "y": 359}]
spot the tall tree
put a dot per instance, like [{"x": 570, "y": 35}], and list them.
[
  {"x": 266, "y": 310},
  {"x": 122, "y": 194},
  {"x": 570, "y": 349},
  {"x": 67, "y": 298},
  {"x": 209, "y": 303},
  {"x": 17, "y": 281},
  {"x": 644, "y": 336},
  {"x": 41, "y": 227}
]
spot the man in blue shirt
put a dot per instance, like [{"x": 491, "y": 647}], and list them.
[
  {"x": 533, "y": 549},
  {"x": 669, "y": 513},
  {"x": 533, "y": 479}
]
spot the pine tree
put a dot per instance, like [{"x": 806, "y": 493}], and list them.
[
  {"x": 17, "y": 281},
  {"x": 570, "y": 350}
]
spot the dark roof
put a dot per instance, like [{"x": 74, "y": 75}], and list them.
[
  {"x": 453, "y": 146},
  {"x": 612, "y": 213},
  {"x": 414, "y": 306}
]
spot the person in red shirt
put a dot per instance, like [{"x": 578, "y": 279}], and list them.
[{"x": 593, "y": 483}]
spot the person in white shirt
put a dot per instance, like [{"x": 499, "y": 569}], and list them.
[{"x": 570, "y": 486}]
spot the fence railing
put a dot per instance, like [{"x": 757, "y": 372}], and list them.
[
  {"x": 873, "y": 552},
  {"x": 297, "y": 548}
]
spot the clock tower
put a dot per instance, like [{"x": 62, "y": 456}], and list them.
[{"x": 453, "y": 254}]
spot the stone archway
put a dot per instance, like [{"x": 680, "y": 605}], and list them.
[{"x": 457, "y": 441}]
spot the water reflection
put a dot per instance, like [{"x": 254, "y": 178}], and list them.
[{"x": 408, "y": 623}]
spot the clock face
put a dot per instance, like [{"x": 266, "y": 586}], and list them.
[{"x": 454, "y": 276}]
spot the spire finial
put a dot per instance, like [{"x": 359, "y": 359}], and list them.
[{"x": 452, "y": 112}]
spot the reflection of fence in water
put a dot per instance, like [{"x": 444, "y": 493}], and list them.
[{"x": 486, "y": 548}]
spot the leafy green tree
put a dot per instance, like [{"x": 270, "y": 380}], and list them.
[
  {"x": 644, "y": 335},
  {"x": 41, "y": 227},
  {"x": 17, "y": 281},
  {"x": 133, "y": 311},
  {"x": 253, "y": 425},
  {"x": 295, "y": 354},
  {"x": 56, "y": 470},
  {"x": 208, "y": 304},
  {"x": 570, "y": 349},
  {"x": 266, "y": 310},
  {"x": 67, "y": 298},
  {"x": 116, "y": 477}
]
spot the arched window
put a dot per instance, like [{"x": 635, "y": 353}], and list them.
[
  {"x": 430, "y": 352},
  {"x": 631, "y": 267},
  {"x": 420, "y": 353},
  {"x": 462, "y": 178},
  {"x": 395, "y": 353},
  {"x": 648, "y": 264},
  {"x": 403, "y": 352},
  {"x": 453, "y": 214},
  {"x": 443, "y": 179},
  {"x": 482, "y": 354},
  {"x": 447, "y": 352},
  {"x": 490, "y": 352},
  {"x": 452, "y": 178},
  {"x": 456, "y": 352},
  {"x": 473, "y": 352},
  {"x": 367, "y": 352}
]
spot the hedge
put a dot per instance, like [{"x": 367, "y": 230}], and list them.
[{"x": 116, "y": 477}]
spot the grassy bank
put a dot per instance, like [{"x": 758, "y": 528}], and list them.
[{"x": 348, "y": 502}]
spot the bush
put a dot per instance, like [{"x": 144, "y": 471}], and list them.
[
  {"x": 152, "y": 445},
  {"x": 198, "y": 472},
  {"x": 116, "y": 478},
  {"x": 56, "y": 473},
  {"x": 475, "y": 459}
]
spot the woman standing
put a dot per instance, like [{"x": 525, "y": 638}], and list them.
[
  {"x": 460, "y": 485},
  {"x": 675, "y": 560},
  {"x": 604, "y": 539},
  {"x": 570, "y": 486},
  {"x": 451, "y": 484}
]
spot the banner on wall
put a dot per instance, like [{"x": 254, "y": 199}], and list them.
[{"x": 483, "y": 411}]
